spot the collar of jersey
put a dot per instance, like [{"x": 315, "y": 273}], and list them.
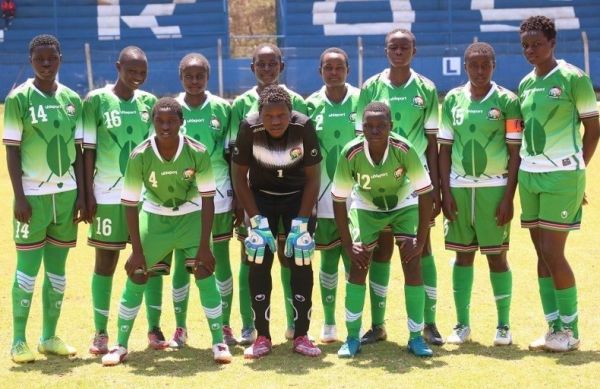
[
  {"x": 386, "y": 79},
  {"x": 467, "y": 91},
  {"x": 368, "y": 154},
  {"x": 58, "y": 88},
  {"x": 349, "y": 92},
  {"x": 181, "y": 100},
  {"x": 136, "y": 93},
  {"x": 559, "y": 64},
  {"x": 157, "y": 153}
]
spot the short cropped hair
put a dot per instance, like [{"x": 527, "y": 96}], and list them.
[
  {"x": 274, "y": 94},
  {"x": 539, "y": 23},
  {"x": 168, "y": 104},
  {"x": 43, "y": 40}
]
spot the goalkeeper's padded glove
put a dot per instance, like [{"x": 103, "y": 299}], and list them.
[
  {"x": 299, "y": 243},
  {"x": 259, "y": 236}
]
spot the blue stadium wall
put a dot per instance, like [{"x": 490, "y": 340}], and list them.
[{"x": 168, "y": 29}]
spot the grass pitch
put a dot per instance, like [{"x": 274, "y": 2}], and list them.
[{"x": 477, "y": 364}]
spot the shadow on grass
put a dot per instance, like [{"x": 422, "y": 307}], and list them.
[
  {"x": 53, "y": 365},
  {"x": 516, "y": 352}
]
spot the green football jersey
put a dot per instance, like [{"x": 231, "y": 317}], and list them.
[
  {"x": 335, "y": 126},
  {"x": 208, "y": 125},
  {"x": 172, "y": 187},
  {"x": 479, "y": 131},
  {"x": 46, "y": 128},
  {"x": 114, "y": 127},
  {"x": 247, "y": 103},
  {"x": 414, "y": 106},
  {"x": 383, "y": 186},
  {"x": 552, "y": 107}
]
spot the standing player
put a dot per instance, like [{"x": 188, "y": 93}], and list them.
[
  {"x": 206, "y": 119},
  {"x": 556, "y": 98},
  {"x": 276, "y": 175},
  {"x": 267, "y": 64},
  {"x": 175, "y": 173},
  {"x": 480, "y": 137},
  {"x": 414, "y": 105},
  {"x": 332, "y": 110},
  {"x": 116, "y": 118},
  {"x": 43, "y": 135},
  {"x": 375, "y": 170}
]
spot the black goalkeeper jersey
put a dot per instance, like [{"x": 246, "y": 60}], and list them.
[{"x": 276, "y": 166}]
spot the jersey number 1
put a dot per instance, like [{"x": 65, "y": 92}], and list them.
[{"x": 279, "y": 173}]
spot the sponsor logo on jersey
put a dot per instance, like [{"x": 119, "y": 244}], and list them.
[
  {"x": 352, "y": 117},
  {"x": 398, "y": 98},
  {"x": 295, "y": 153},
  {"x": 494, "y": 114},
  {"x": 336, "y": 115},
  {"x": 379, "y": 175},
  {"x": 555, "y": 92},
  {"x": 168, "y": 173},
  {"x": 70, "y": 108},
  {"x": 145, "y": 115},
  {"x": 564, "y": 214},
  {"x": 215, "y": 123},
  {"x": 188, "y": 174},
  {"x": 399, "y": 172},
  {"x": 418, "y": 102}
]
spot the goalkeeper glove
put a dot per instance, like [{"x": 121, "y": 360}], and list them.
[
  {"x": 299, "y": 243},
  {"x": 259, "y": 236}
]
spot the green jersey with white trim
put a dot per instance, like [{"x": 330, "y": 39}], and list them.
[
  {"x": 383, "y": 186},
  {"x": 208, "y": 125},
  {"x": 414, "y": 107},
  {"x": 479, "y": 131},
  {"x": 172, "y": 187},
  {"x": 247, "y": 104},
  {"x": 552, "y": 107},
  {"x": 46, "y": 128},
  {"x": 114, "y": 127},
  {"x": 334, "y": 124}
]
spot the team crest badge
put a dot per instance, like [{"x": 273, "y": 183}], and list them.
[
  {"x": 418, "y": 102},
  {"x": 188, "y": 174},
  {"x": 215, "y": 123},
  {"x": 555, "y": 92},
  {"x": 352, "y": 117},
  {"x": 145, "y": 115},
  {"x": 494, "y": 114},
  {"x": 564, "y": 214},
  {"x": 399, "y": 172},
  {"x": 295, "y": 153},
  {"x": 70, "y": 108}
]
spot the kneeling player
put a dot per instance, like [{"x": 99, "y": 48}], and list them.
[
  {"x": 276, "y": 177},
  {"x": 479, "y": 160},
  {"x": 176, "y": 174},
  {"x": 375, "y": 169}
]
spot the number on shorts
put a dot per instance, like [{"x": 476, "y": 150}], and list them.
[
  {"x": 22, "y": 231},
  {"x": 104, "y": 226}
]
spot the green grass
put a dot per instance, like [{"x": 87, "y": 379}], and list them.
[{"x": 387, "y": 364}]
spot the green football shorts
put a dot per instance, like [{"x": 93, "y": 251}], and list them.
[
  {"x": 365, "y": 225},
  {"x": 326, "y": 235},
  {"x": 552, "y": 200},
  {"x": 109, "y": 227},
  {"x": 475, "y": 224}
]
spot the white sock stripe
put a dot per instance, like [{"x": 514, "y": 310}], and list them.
[
  {"x": 413, "y": 326},
  {"x": 25, "y": 282},
  {"x": 567, "y": 319},
  {"x": 157, "y": 307},
  {"x": 180, "y": 294},
  {"x": 225, "y": 287},
  {"x": 267, "y": 314},
  {"x": 213, "y": 313},
  {"x": 328, "y": 280},
  {"x": 431, "y": 292},
  {"x": 552, "y": 316},
  {"x": 379, "y": 290},
  {"x": 351, "y": 316},
  {"x": 103, "y": 312},
  {"x": 501, "y": 296},
  {"x": 127, "y": 313},
  {"x": 225, "y": 283},
  {"x": 58, "y": 282}
]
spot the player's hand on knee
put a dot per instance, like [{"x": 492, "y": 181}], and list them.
[
  {"x": 204, "y": 259},
  {"x": 299, "y": 243},
  {"x": 259, "y": 237},
  {"x": 359, "y": 255},
  {"x": 136, "y": 265}
]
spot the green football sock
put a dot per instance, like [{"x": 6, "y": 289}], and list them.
[
  {"x": 130, "y": 304},
  {"x": 244, "y": 296},
  {"x": 462, "y": 283},
  {"x": 379, "y": 278},
  {"x": 101, "y": 291},
  {"x": 53, "y": 290},
  {"x": 223, "y": 276},
  {"x": 328, "y": 281},
  {"x": 28, "y": 266},
  {"x": 429, "y": 274},
  {"x": 567, "y": 306},
  {"x": 549, "y": 303},
  {"x": 414, "y": 297},
  {"x": 346, "y": 262},
  {"x": 153, "y": 297},
  {"x": 286, "y": 282},
  {"x": 355, "y": 302},
  {"x": 502, "y": 287},
  {"x": 211, "y": 302},
  {"x": 180, "y": 289}
]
